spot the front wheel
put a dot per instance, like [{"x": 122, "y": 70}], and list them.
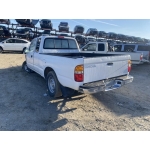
[
  {"x": 25, "y": 67},
  {"x": 53, "y": 85}
]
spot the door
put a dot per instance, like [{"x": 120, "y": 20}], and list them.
[
  {"x": 9, "y": 44},
  {"x": 29, "y": 55},
  {"x": 38, "y": 61},
  {"x": 18, "y": 45}
]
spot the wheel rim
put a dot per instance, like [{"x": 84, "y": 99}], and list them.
[
  {"x": 51, "y": 84},
  {"x": 1, "y": 50}
]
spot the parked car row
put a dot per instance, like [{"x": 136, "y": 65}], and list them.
[{"x": 46, "y": 24}]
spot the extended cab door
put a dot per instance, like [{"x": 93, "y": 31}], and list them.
[
  {"x": 29, "y": 55},
  {"x": 38, "y": 59},
  {"x": 19, "y": 45}
]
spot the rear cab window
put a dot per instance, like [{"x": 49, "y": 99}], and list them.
[{"x": 54, "y": 43}]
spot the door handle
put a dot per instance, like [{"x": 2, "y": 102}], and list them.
[
  {"x": 109, "y": 64},
  {"x": 31, "y": 56}
]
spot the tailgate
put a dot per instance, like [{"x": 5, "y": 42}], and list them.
[{"x": 100, "y": 68}]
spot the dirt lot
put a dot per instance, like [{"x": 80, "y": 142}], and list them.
[{"x": 23, "y": 105}]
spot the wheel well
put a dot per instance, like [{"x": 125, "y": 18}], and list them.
[
  {"x": 47, "y": 70},
  {"x": 1, "y": 47}
]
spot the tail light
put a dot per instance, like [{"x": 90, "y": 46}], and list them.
[
  {"x": 141, "y": 57},
  {"x": 129, "y": 65},
  {"x": 79, "y": 73}
]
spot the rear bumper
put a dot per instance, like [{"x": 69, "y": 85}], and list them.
[
  {"x": 105, "y": 85},
  {"x": 145, "y": 61}
]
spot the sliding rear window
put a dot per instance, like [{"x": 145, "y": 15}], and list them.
[{"x": 53, "y": 43}]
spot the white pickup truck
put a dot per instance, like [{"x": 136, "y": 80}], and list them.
[
  {"x": 102, "y": 48},
  {"x": 59, "y": 61}
]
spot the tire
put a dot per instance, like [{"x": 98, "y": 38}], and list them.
[
  {"x": 25, "y": 67},
  {"x": 1, "y": 50},
  {"x": 53, "y": 85},
  {"x": 23, "y": 51}
]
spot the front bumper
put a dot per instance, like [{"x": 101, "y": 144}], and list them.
[{"x": 105, "y": 85}]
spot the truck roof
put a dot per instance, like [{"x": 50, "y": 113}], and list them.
[{"x": 49, "y": 36}]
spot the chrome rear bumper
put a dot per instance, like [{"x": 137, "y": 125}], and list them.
[{"x": 105, "y": 85}]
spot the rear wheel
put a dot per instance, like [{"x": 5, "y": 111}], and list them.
[
  {"x": 53, "y": 85},
  {"x": 1, "y": 50}
]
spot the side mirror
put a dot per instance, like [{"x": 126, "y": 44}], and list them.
[{"x": 84, "y": 49}]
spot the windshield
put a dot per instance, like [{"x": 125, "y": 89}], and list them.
[
  {"x": 26, "y": 29},
  {"x": 63, "y": 24}
]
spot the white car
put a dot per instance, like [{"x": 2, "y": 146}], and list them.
[{"x": 14, "y": 44}]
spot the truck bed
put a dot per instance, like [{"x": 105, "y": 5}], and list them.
[{"x": 80, "y": 55}]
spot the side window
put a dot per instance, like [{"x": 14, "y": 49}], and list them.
[
  {"x": 38, "y": 44},
  {"x": 101, "y": 47},
  {"x": 142, "y": 48},
  {"x": 129, "y": 48},
  {"x": 23, "y": 41},
  {"x": 32, "y": 45},
  {"x": 49, "y": 43},
  {"x": 117, "y": 48},
  {"x": 17, "y": 41},
  {"x": 10, "y": 41},
  {"x": 90, "y": 47}
]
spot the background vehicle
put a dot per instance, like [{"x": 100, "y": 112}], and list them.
[
  {"x": 63, "y": 27},
  {"x": 4, "y": 32},
  {"x": 5, "y": 21},
  {"x": 46, "y": 23},
  {"x": 59, "y": 61},
  {"x": 92, "y": 31},
  {"x": 102, "y": 34},
  {"x": 29, "y": 22},
  {"x": 89, "y": 38},
  {"x": 14, "y": 44},
  {"x": 46, "y": 32},
  {"x": 111, "y": 35},
  {"x": 104, "y": 48},
  {"x": 24, "y": 33},
  {"x": 145, "y": 49},
  {"x": 80, "y": 39},
  {"x": 121, "y": 37},
  {"x": 78, "y": 29}
]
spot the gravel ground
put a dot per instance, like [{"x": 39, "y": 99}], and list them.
[{"x": 24, "y": 105}]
